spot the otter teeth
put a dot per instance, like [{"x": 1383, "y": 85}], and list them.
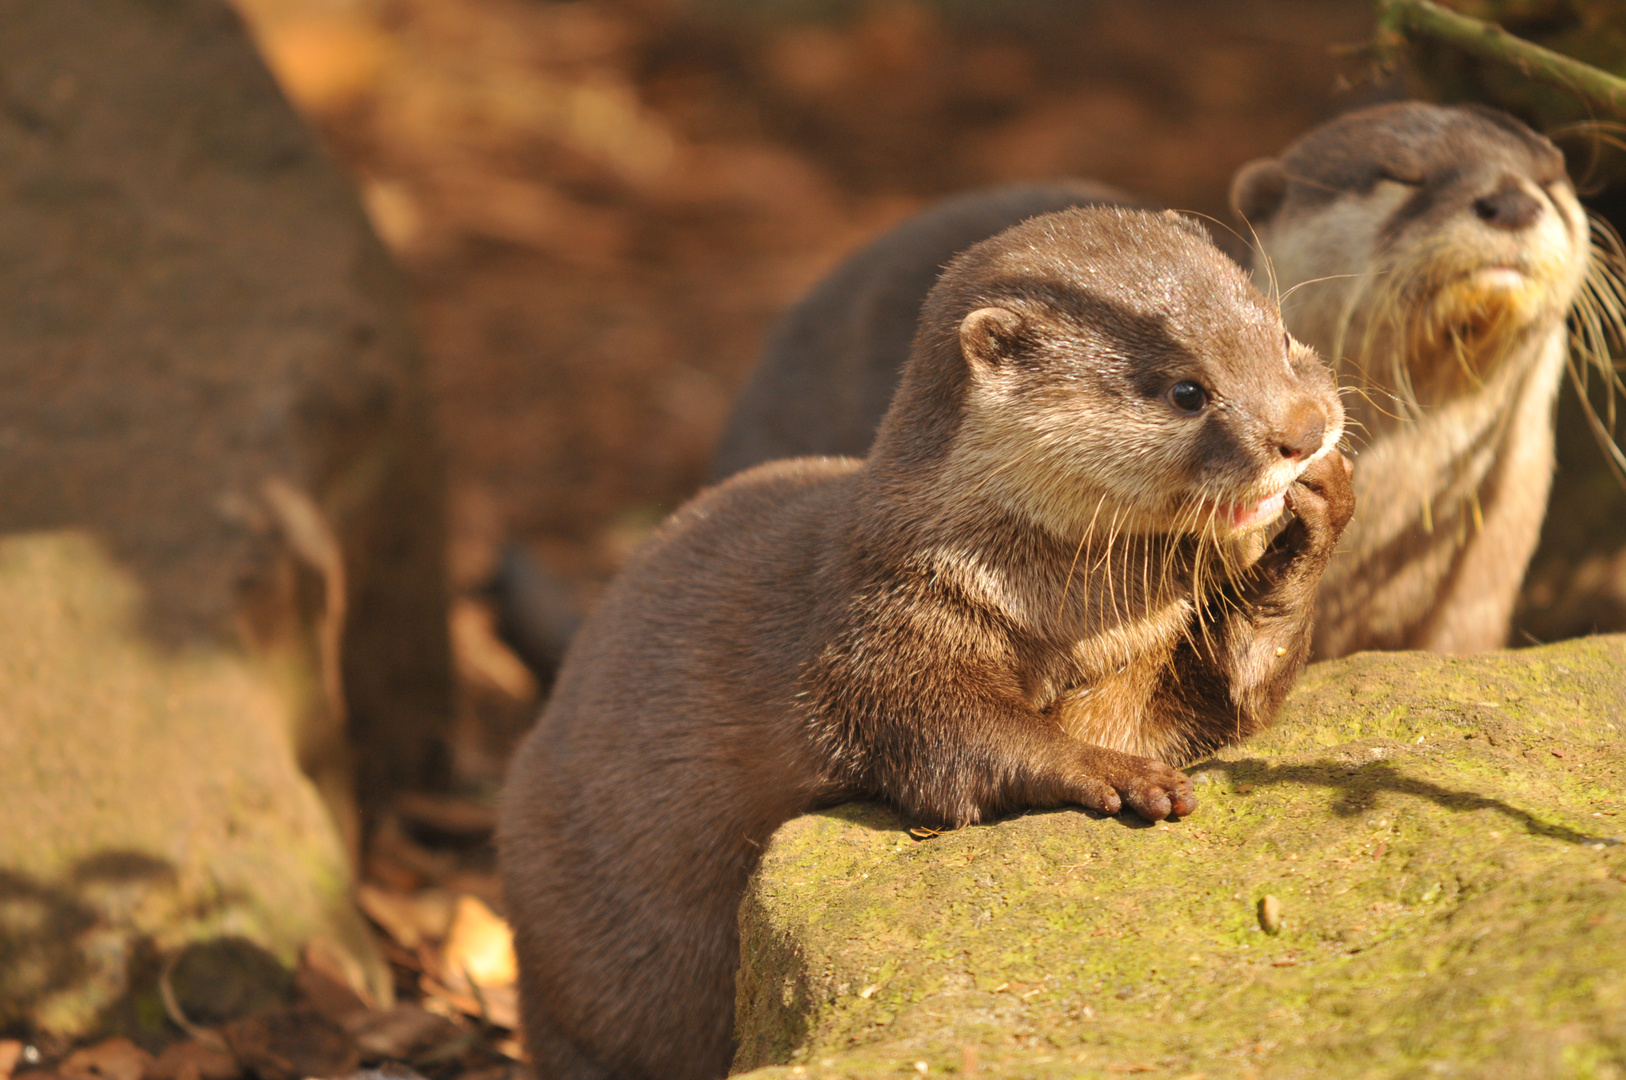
[
  {"x": 1246, "y": 515},
  {"x": 1500, "y": 277}
]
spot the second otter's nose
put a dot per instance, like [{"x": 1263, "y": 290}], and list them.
[
  {"x": 1302, "y": 432},
  {"x": 1512, "y": 208}
]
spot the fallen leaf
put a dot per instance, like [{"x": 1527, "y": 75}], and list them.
[
  {"x": 115, "y": 1059},
  {"x": 496, "y": 1005},
  {"x": 409, "y": 919},
  {"x": 448, "y": 814},
  {"x": 328, "y": 996},
  {"x": 325, "y": 957},
  {"x": 399, "y": 1032},
  {"x": 480, "y": 655},
  {"x": 400, "y": 861},
  {"x": 194, "y": 1060},
  {"x": 291, "y": 1044},
  {"x": 479, "y": 946}
]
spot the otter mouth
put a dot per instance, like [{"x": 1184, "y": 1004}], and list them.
[
  {"x": 1248, "y": 515},
  {"x": 1485, "y": 301},
  {"x": 1493, "y": 279}
]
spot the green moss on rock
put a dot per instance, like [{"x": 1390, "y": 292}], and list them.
[
  {"x": 1443, "y": 836},
  {"x": 150, "y": 796}
]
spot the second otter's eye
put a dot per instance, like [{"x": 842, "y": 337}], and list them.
[{"x": 1188, "y": 397}]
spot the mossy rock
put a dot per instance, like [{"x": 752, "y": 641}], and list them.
[
  {"x": 150, "y": 799},
  {"x": 1443, "y": 837}
]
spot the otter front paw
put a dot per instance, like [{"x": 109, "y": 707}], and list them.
[
  {"x": 1150, "y": 788},
  {"x": 1323, "y": 501}
]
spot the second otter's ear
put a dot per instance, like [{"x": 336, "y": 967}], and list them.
[
  {"x": 1257, "y": 190},
  {"x": 990, "y": 335}
]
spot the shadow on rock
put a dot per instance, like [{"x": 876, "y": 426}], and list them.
[{"x": 1359, "y": 787}]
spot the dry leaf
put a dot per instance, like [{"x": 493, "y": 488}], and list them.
[
  {"x": 479, "y": 946},
  {"x": 328, "y": 996},
  {"x": 399, "y": 1032},
  {"x": 409, "y": 919},
  {"x": 396, "y": 859},
  {"x": 496, "y": 1005},
  {"x": 324, "y": 956},
  {"x": 448, "y": 814},
  {"x": 481, "y": 656},
  {"x": 291, "y": 1044},
  {"x": 194, "y": 1060},
  {"x": 115, "y": 1059}
]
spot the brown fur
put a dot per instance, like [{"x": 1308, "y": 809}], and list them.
[
  {"x": 1384, "y": 224},
  {"x": 832, "y": 363},
  {"x": 1025, "y": 597}
]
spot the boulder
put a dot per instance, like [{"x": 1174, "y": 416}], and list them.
[
  {"x": 221, "y": 554},
  {"x": 1435, "y": 843}
]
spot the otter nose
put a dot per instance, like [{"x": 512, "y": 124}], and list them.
[
  {"x": 1301, "y": 434},
  {"x": 1512, "y": 208}
]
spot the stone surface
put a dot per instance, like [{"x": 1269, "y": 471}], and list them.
[
  {"x": 1443, "y": 837},
  {"x": 221, "y": 555}
]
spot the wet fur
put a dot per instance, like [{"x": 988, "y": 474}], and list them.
[{"x": 1025, "y": 597}]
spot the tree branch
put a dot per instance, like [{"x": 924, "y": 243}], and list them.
[{"x": 1399, "y": 20}]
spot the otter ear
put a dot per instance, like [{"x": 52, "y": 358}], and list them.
[
  {"x": 989, "y": 335},
  {"x": 1257, "y": 190},
  {"x": 1188, "y": 223}
]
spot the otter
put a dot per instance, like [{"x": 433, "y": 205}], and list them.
[
  {"x": 1063, "y": 570},
  {"x": 1434, "y": 255}
]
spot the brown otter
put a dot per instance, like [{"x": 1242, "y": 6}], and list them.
[
  {"x": 1440, "y": 251},
  {"x": 1434, "y": 254},
  {"x": 1031, "y": 594}
]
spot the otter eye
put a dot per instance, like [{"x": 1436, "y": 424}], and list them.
[
  {"x": 1188, "y": 397},
  {"x": 1396, "y": 177}
]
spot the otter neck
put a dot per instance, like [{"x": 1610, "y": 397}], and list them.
[{"x": 1104, "y": 589}]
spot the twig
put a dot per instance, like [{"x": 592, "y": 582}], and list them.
[{"x": 1400, "y": 20}]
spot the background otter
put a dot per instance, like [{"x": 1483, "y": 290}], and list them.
[
  {"x": 1440, "y": 251},
  {"x": 1434, "y": 254},
  {"x": 1029, "y": 591}
]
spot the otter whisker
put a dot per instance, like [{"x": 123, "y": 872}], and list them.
[{"x": 1082, "y": 540}]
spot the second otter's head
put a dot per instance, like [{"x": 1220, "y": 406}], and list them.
[
  {"x": 1420, "y": 241},
  {"x": 1109, "y": 370}
]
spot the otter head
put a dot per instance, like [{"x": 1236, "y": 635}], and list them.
[
  {"x": 1418, "y": 243},
  {"x": 1104, "y": 371}
]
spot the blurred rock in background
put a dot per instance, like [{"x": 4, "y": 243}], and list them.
[{"x": 221, "y": 541}]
